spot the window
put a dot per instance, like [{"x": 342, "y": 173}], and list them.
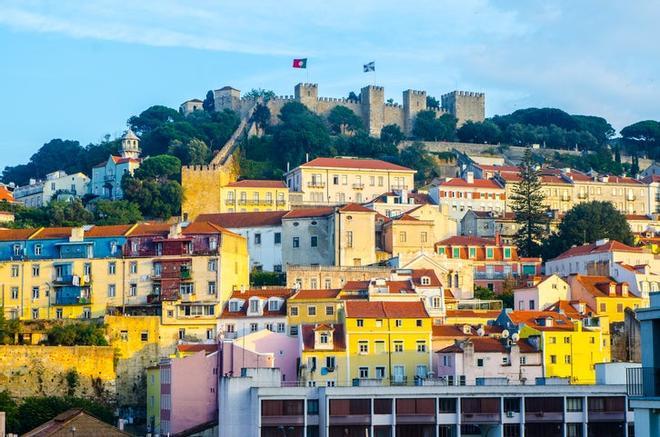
[
  {"x": 505, "y": 360},
  {"x": 254, "y": 305},
  {"x": 58, "y": 313},
  {"x": 257, "y": 238},
  {"x": 313, "y": 407},
  {"x": 349, "y": 238},
  {"x": 281, "y": 327},
  {"x": 35, "y": 270},
  {"x": 447, "y": 405},
  {"x": 182, "y": 331},
  {"x": 379, "y": 323},
  {"x": 37, "y": 249},
  {"x": 323, "y": 338},
  {"x": 277, "y": 238},
  {"x": 293, "y": 311},
  {"x": 17, "y": 250},
  {"x": 335, "y": 179},
  {"x": 363, "y": 346},
  {"x": 329, "y": 310},
  {"x": 35, "y": 313},
  {"x": 567, "y": 359},
  {"x": 512, "y": 405},
  {"x": 574, "y": 405},
  {"x": 213, "y": 265},
  {"x": 344, "y": 179},
  {"x": 436, "y": 302},
  {"x": 211, "y": 287},
  {"x": 567, "y": 340},
  {"x": 552, "y": 340},
  {"x": 426, "y": 280},
  {"x": 424, "y": 237},
  {"x": 418, "y": 323},
  {"x": 603, "y": 307},
  {"x": 254, "y": 327},
  {"x": 523, "y": 360},
  {"x": 14, "y": 271},
  {"x": 531, "y": 305},
  {"x": 133, "y": 267},
  {"x": 314, "y": 242},
  {"x": 402, "y": 237},
  {"x": 364, "y": 372},
  {"x": 507, "y": 252},
  {"x": 132, "y": 291},
  {"x": 553, "y": 359},
  {"x": 398, "y": 346},
  {"x": 480, "y": 362},
  {"x": 144, "y": 336},
  {"x": 359, "y": 323},
  {"x": 14, "y": 293},
  {"x": 112, "y": 268},
  {"x": 380, "y": 181},
  {"x": 421, "y": 346},
  {"x": 489, "y": 252},
  {"x": 123, "y": 335},
  {"x": 619, "y": 308},
  {"x": 398, "y": 323},
  {"x": 311, "y": 310},
  {"x": 35, "y": 293},
  {"x": 455, "y": 252},
  {"x": 293, "y": 330},
  {"x": 296, "y": 242},
  {"x": 328, "y": 283},
  {"x": 472, "y": 252}
]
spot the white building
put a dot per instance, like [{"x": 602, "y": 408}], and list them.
[
  {"x": 542, "y": 293},
  {"x": 107, "y": 176},
  {"x": 610, "y": 258},
  {"x": 263, "y": 232},
  {"x": 57, "y": 184},
  {"x": 249, "y": 311},
  {"x": 653, "y": 181}
]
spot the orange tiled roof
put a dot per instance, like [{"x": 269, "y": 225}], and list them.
[
  {"x": 309, "y": 212},
  {"x": 108, "y": 231},
  {"x": 16, "y": 234},
  {"x": 599, "y": 286},
  {"x": 530, "y": 318},
  {"x": 260, "y": 293},
  {"x": 367, "y": 164},
  {"x": 257, "y": 183},
  {"x": 374, "y": 310},
  {"x": 315, "y": 294},
  {"x": 191, "y": 348},
  {"x": 355, "y": 207},
  {"x": 488, "y": 345},
  {"x": 244, "y": 219},
  {"x": 52, "y": 233},
  {"x": 338, "y": 339},
  {"x": 477, "y": 183},
  {"x": 5, "y": 194},
  {"x": 567, "y": 307},
  {"x": 609, "y": 246}
]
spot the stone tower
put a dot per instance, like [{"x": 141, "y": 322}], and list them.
[
  {"x": 465, "y": 105},
  {"x": 372, "y": 101},
  {"x": 130, "y": 145},
  {"x": 413, "y": 103},
  {"x": 227, "y": 98},
  {"x": 307, "y": 94}
]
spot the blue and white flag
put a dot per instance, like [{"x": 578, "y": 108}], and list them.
[{"x": 371, "y": 66}]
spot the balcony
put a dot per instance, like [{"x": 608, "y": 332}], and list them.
[
  {"x": 255, "y": 202},
  {"x": 230, "y": 202},
  {"x": 316, "y": 184},
  {"x": 280, "y": 202},
  {"x": 73, "y": 295},
  {"x": 631, "y": 198},
  {"x": 492, "y": 275},
  {"x": 582, "y": 196},
  {"x": 643, "y": 382},
  {"x": 358, "y": 186},
  {"x": 565, "y": 198},
  {"x": 399, "y": 187}
]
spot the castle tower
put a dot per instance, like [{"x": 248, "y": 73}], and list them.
[
  {"x": 465, "y": 105},
  {"x": 227, "y": 98},
  {"x": 130, "y": 145},
  {"x": 372, "y": 101},
  {"x": 307, "y": 94},
  {"x": 413, "y": 103}
]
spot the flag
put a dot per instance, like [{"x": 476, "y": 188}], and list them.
[
  {"x": 300, "y": 63},
  {"x": 371, "y": 66}
]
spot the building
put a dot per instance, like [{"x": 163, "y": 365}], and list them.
[
  {"x": 58, "y": 185},
  {"x": 262, "y": 406},
  {"x": 249, "y": 311},
  {"x": 309, "y": 237},
  {"x": 461, "y": 195},
  {"x": 605, "y": 295},
  {"x": 263, "y": 232},
  {"x": 570, "y": 348},
  {"x": 323, "y": 358},
  {"x": 74, "y": 421},
  {"x": 107, "y": 176},
  {"x": 389, "y": 342},
  {"x": 251, "y": 195},
  {"x": 395, "y": 203},
  {"x": 490, "y": 361},
  {"x": 541, "y": 293},
  {"x": 603, "y": 257},
  {"x": 643, "y": 383},
  {"x": 341, "y": 180},
  {"x": 493, "y": 262},
  {"x": 190, "y": 106},
  {"x": 314, "y": 277},
  {"x": 653, "y": 182},
  {"x": 406, "y": 235},
  {"x": 313, "y": 307},
  {"x": 642, "y": 224}
]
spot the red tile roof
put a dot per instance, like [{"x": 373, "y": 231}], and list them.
[
  {"x": 309, "y": 212},
  {"x": 244, "y": 219},
  {"x": 502, "y": 168},
  {"x": 16, "y": 234},
  {"x": 588, "y": 249},
  {"x": 487, "y": 345},
  {"x": 463, "y": 240},
  {"x": 456, "y": 330},
  {"x": 560, "y": 322},
  {"x": 150, "y": 229},
  {"x": 108, "y": 231},
  {"x": 257, "y": 183},
  {"x": 417, "y": 275},
  {"x": 568, "y": 307},
  {"x": 477, "y": 183},
  {"x": 262, "y": 294},
  {"x": 638, "y": 217},
  {"x": 338, "y": 339},
  {"x": 315, "y": 294},
  {"x": 376, "y": 310},
  {"x": 52, "y": 233},
  {"x": 366, "y": 164},
  {"x": 5, "y": 194},
  {"x": 355, "y": 207},
  {"x": 599, "y": 286},
  {"x": 192, "y": 348}
]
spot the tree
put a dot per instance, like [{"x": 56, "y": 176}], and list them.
[
  {"x": 153, "y": 118},
  {"x": 432, "y": 102},
  {"x": 116, "y": 212},
  {"x": 77, "y": 334},
  {"x": 10, "y": 407},
  {"x": 8, "y": 329},
  {"x": 155, "y": 187},
  {"x": 261, "y": 117},
  {"x": 642, "y": 137},
  {"x": 194, "y": 152},
  {"x": 528, "y": 208},
  {"x": 480, "y": 133},
  {"x": 159, "y": 167},
  {"x": 256, "y": 93},
  {"x": 73, "y": 213},
  {"x": 34, "y": 411},
  {"x": 391, "y": 134},
  {"x": 354, "y": 97},
  {"x": 416, "y": 156},
  {"x": 209, "y": 102},
  {"x": 343, "y": 120},
  {"x": 588, "y": 222},
  {"x": 429, "y": 128}
]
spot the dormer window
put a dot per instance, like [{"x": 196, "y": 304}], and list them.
[
  {"x": 472, "y": 252},
  {"x": 135, "y": 247},
  {"x": 489, "y": 253},
  {"x": 37, "y": 249},
  {"x": 113, "y": 247},
  {"x": 233, "y": 306},
  {"x": 273, "y": 305},
  {"x": 441, "y": 250},
  {"x": 426, "y": 280},
  {"x": 456, "y": 252},
  {"x": 507, "y": 252},
  {"x": 254, "y": 305},
  {"x": 213, "y": 243}
]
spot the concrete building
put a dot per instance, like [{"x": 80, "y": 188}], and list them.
[
  {"x": 107, "y": 176},
  {"x": 540, "y": 293},
  {"x": 58, "y": 185},
  {"x": 337, "y": 181},
  {"x": 653, "y": 182},
  {"x": 262, "y": 406},
  {"x": 250, "y": 311},
  {"x": 190, "y": 106},
  {"x": 643, "y": 383},
  {"x": 308, "y": 237},
  {"x": 406, "y": 235},
  {"x": 605, "y": 295},
  {"x": 254, "y": 195},
  {"x": 263, "y": 232},
  {"x": 395, "y": 203}
]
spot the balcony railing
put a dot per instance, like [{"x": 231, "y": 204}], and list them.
[
  {"x": 358, "y": 186},
  {"x": 493, "y": 275},
  {"x": 643, "y": 382},
  {"x": 280, "y": 202},
  {"x": 399, "y": 187},
  {"x": 316, "y": 184},
  {"x": 582, "y": 195}
]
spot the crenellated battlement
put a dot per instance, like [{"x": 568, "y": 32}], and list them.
[{"x": 464, "y": 94}]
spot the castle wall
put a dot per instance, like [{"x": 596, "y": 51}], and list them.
[
  {"x": 372, "y": 101},
  {"x": 201, "y": 188},
  {"x": 326, "y": 104},
  {"x": 394, "y": 114},
  {"x": 465, "y": 105}
]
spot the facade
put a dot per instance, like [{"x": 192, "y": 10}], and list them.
[
  {"x": 327, "y": 277},
  {"x": 337, "y": 181},
  {"x": 107, "y": 176},
  {"x": 190, "y": 106},
  {"x": 406, "y": 235},
  {"x": 461, "y": 195},
  {"x": 395, "y": 203},
  {"x": 605, "y": 295},
  {"x": 250, "y": 311},
  {"x": 58, "y": 185},
  {"x": 76, "y": 419},
  {"x": 493, "y": 262},
  {"x": 642, "y": 383},
  {"x": 653, "y": 182},
  {"x": 250, "y": 195},
  {"x": 263, "y": 232},
  {"x": 313, "y": 307},
  {"x": 490, "y": 361},
  {"x": 308, "y": 237},
  {"x": 323, "y": 358},
  {"x": 261, "y": 406},
  {"x": 541, "y": 293}
]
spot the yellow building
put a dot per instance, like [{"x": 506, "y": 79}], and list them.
[
  {"x": 355, "y": 236},
  {"x": 407, "y": 235},
  {"x": 251, "y": 195},
  {"x": 571, "y": 348},
  {"x": 389, "y": 341},
  {"x": 311, "y": 307},
  {"x": 336, "y": 181},
  {"x": 606, "y": 296},
  {"x": 153, "y": 398},
  {"x": 323, "y": 355}
]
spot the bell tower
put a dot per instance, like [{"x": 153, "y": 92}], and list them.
[{"x": 130, "y": 145}]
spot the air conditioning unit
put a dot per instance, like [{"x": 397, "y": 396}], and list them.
[{"x": 509, "y": 414}]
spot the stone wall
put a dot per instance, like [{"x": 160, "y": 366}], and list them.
[
  {"x": 42, "y": 371},
  {"x": 201, "y": 188}
]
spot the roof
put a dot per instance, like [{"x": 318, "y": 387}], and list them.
[
  {"x": 308, "y": 294},
  {"x": 130, "y": 135},
  {"x": 599, "y": 286},
  {"x": 244, "y": 219},
  {"x": 355, "y": 163},
  {"x": 309, "y": 212},
  {"x": 257, "y": 183},
  {"x": 606, "y": 246},
  {"x": 108, "y": 231},
  {"x": 355, "y": 207},
  {"x": 60, "y": 424},
  {"x": 16, "y": 234},
  {"x": 262, "y": 294},
  {"x": 338, "y": 339},
  {"x": 150, "y": 229},
  {"x": 196, "y": 347},
  {"x": 52, "y": 233},
  {"x": 482, "y": 314},
  {"x": 477, "y": 183},
  {"x": 385, "y": 310},
  {"x": 487, "y": 345},
  {"x": 494, "y": 167},
  {"x": 456, "y": 330},
  {"x": 568, "y": 307},
  {"x": 531, "y": 318},
  {"x": 638, "y": 217},
  {"x": 5, "y": 194},
  {"x": 418, "y": 274},
  {"x": 466, "y": 240}
]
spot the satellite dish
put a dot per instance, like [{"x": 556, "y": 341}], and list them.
[
  {"x": 505, "y": 333},
  {"x": 515, "y": 336},
  {"x": 481, "y": 332}
]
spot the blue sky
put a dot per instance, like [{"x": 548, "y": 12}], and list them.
[{"x": 78, "y": 69}]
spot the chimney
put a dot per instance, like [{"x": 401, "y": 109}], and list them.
[
  {"x": 77, "y": 234},
  {"x": 469, "y": 177},
  {"x": 624, "y": 289},
  {"x": 306, "y": 157},
  {"x": 175, "y": 230},
  {"x": 602, "y": 241},
  {"x": 612, "y": 289}
]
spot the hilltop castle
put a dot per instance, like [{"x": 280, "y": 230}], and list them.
[{"x": 370, "y": 106}]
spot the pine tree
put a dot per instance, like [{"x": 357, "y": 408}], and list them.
[{"x": 529, "y": 209}]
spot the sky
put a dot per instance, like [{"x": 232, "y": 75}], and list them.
[{"x": 79, "y": 69}]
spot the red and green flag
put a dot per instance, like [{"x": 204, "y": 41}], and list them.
[{"x": 300, "y": 63}]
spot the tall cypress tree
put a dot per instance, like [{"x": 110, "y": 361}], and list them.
[{"x": 529, "y": 209}]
